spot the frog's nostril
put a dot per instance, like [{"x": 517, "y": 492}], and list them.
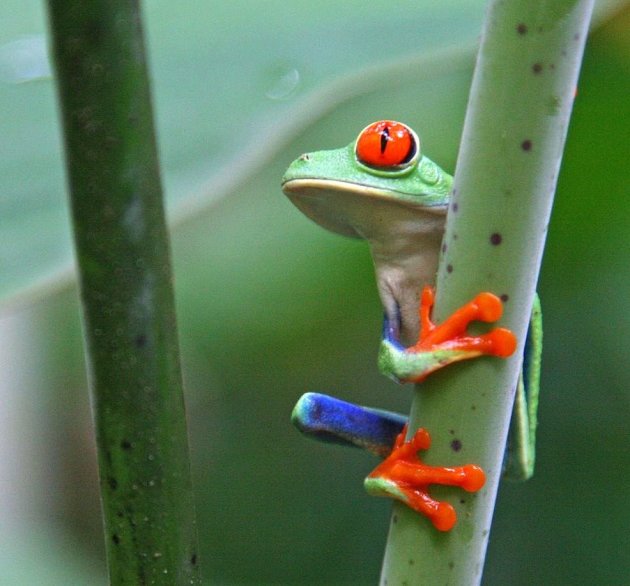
[{"x": 304, "y": 157}]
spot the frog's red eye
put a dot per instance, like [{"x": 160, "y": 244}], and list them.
[{"x": 386, "y": 144}]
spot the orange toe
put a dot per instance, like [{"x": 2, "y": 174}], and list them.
[
  {"x": 489, "y": 307},
  {"x": 503, "y": 342}
]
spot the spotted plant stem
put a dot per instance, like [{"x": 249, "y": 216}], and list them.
[
  {"x": 519, "y": 108},
  {"x": 126, "y": 292}
]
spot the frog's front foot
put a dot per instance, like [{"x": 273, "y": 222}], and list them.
[
  {"x": 440, "y": 345},
  {"x": 403, "y": 476}
]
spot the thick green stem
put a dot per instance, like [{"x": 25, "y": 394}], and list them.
[
  {"x": 125, "y": 278},
  {"x": 512, "y": 145}
]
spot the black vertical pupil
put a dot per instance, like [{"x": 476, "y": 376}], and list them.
[{"x": 384, "y": 139}]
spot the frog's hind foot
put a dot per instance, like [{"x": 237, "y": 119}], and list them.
[{"x": 404, "y": 477}]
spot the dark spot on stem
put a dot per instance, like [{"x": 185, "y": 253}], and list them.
[
  {"x": 141, "y": 341},
  {"x": 521, "y": 28},
  {"x": 455, "y": 207},
  {"x": 505, "y": 297},
  {"x": 113, "y": 483},
  {"x": 462, "y": 501},
  {"x": 537, "y": 67},
  {"x": 444, "y": 247},
  {"x": 451, "y": 565},
  {"x": 395, "y": 519},
  {"x": 456, "y": 445},
  {"x": 496, "y": 239},
  {"x": 193, "y": 559},
  {"x": 125, "y": 445},
  {"x": 115, "y": 538},
  {"x": 473, "y": 407},
  {"x": 411, "y": 562},
  {"x": 449, "y": 268},
  {"x": 526, "y": 145}
]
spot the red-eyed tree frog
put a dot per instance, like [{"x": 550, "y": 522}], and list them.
[{"x": 382, "y": 188}]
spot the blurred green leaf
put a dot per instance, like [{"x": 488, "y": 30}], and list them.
[
  {"x": 45, "y": 556},
  {"x": 229, "y": 79}
]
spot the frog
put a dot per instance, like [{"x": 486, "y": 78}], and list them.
[{"x": 382, "y": 188}]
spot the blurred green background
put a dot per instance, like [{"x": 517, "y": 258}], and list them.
[{"x": 271, "y": 306}]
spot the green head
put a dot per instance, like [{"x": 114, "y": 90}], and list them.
[{"x": 381, "y": 177}]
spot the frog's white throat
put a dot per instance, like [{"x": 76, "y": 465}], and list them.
[{"x": 404, "y": 234}]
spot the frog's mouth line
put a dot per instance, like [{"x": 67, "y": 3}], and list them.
[
  {"x": 362, "y": 211},
  {"x": 298, "y": 188}
]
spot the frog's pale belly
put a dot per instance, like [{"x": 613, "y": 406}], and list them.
[
  {"x": 401, "y": 273},
  {"x": 404, "y": 238}
]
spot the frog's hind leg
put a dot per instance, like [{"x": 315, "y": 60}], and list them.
[
  {"x": 521, "y": 446},
  {"x": 332, "y": 420}
]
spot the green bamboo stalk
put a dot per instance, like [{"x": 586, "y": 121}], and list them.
[
  {"x": 125, "y": 280},
  {"x": 515, "y": 129}
]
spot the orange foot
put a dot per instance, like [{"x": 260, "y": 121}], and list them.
[
  {"x": 440, "y": 345},
  {"x": 403, "y": 476}
]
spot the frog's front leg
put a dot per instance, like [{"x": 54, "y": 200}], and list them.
[{"x": 443, "y": 344}]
